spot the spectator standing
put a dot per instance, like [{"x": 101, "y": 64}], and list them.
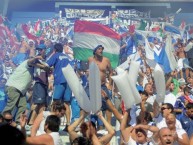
[
  {"x": 52, "y": 137},
  {"x": 187, "y": 119},
  {"x": 17, "y": 85},
  {"x": 40, "y": 88},
  {"x": 62, "y": 91}
]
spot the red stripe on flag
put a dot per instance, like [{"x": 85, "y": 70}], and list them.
[
  {"x": 155, "y": 29},
  {"x": 26, "y": 31},
  {"x": 190, "y": 31},
  {"x": 95, "y": 28}
]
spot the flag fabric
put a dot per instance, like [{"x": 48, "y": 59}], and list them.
[
  {"x": 37, "y": 28},
  {"x": 26, "y": 31},
  {"x": 88, "y": 35},
  {"x": 131, "y": 28},
  {"x": 170, "y": 60},
  {"x": 163, "y": 55},
  {"x": 160, "y": 32},
  {"x": 160, "y": 57},
  {"x": 142, "y": 25},
  {"x": 148, "y": 50},
  {"x": 155, "y": 29},
  {"x": 182, "y": 25},
  {"x": 130, "y": 46},
  {"x": 190, "y": 31},
  {"x": 70, "y": 32},
  {"x": 122, "y": 30},
  {"x": 172, "y": 29},
  {"x": 3, "y": 32},
  {"x": 1, "y": 20}
]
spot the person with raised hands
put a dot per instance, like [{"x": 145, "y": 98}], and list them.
[
  {"x": 51, "y": 127},
  {"x": 18, "y": 84},
  {"x": 57, "y": 109},
  {"x": 133, "y": 135},
  {"x": 116, "y": 113},
  {"x": 88, "y": 130}
]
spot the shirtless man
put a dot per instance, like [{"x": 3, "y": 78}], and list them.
[
  {"x": 104, "y": 66},
  {"x": 182, "y": 60},
  {"x": 31, "y": 48},
  {"x": 22, "y": 54}
]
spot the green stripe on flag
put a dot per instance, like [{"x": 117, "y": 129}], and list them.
[{"x": 84, "y": 53}]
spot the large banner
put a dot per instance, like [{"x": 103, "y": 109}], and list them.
[
  {"x": 78, "y": 13},
  {"x": 132, "y": 13}
]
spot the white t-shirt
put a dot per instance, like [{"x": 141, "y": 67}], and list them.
[
  {"x": 56, "y": 138},
  {"x": 133, "y": 142},
  {"x": 162, "y": 123},
  {"x": 21, "y": 78},
  {"x": 170, "y": 98}
]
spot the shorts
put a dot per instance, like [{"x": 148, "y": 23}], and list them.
[
  {"x": 39, "y": 93},
  {"x": 62, "y": 92}
]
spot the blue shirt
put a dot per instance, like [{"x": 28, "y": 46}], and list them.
[
  {"x": 187, "y": 124},
  {"x": 180, "y": 103},
  {"x": 3, "y": 99},
  {"x": 58, "y": 60}
]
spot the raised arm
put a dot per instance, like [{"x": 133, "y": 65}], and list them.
[
  {"x": 106, "y": 138},
  {"x": 184, "y": 140},
  {"x": 72, "y": 127},
  {"x": 23, "y": 121},
  {"x": 151, "y": 128},
  {"x": 116, "y": 113},
  {"x": 36, "y": 124},
  {"x": 126, "y": 131},
  {"x": 36, "y": 63}
]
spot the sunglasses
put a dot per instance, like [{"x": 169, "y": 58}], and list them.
[
  {"x": 8, "y": 120},
  {"x": 163, "y": 108}
]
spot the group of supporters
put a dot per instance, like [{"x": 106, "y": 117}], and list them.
[{"x": 36, "y": 96}]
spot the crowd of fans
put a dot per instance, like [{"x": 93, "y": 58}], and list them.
[{"x": 34, "y": 94}]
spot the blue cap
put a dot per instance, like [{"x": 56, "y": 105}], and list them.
[
  {"x": 41, "y": 46},
  {"x": 94, "y": 51}
]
